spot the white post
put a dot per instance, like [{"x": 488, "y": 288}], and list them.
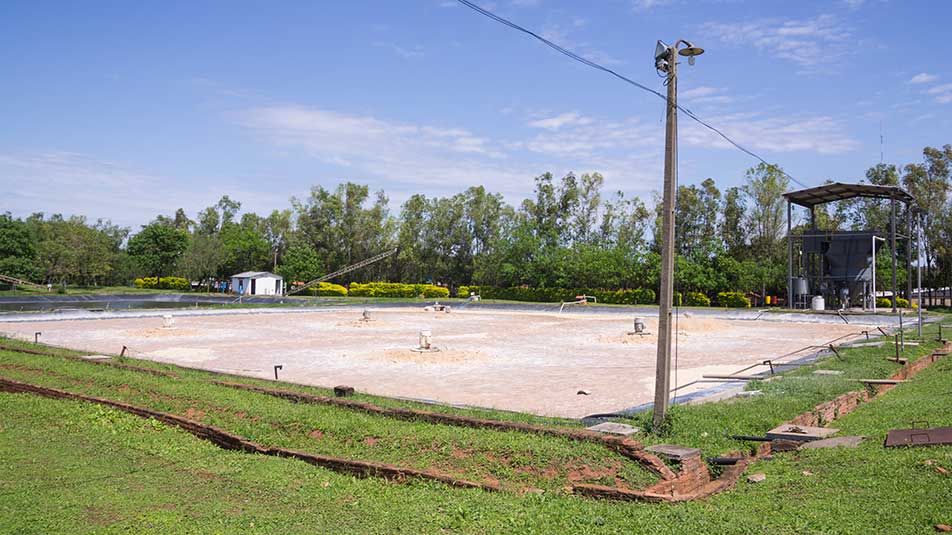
[
  {"x": 919, "y": 274},
  {"x": 874, "y": 274}
]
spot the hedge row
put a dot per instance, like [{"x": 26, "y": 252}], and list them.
[
  {"x": 733, "y": 300},
  {"x": 697, "y": 299},
  {"x": 165, "y": 283},
  {"x": 639, "y": 296},
  {"x": 397, "y": 289},
  {"x": 326, "y": 289},
  {"x": 883, "y": 302}
]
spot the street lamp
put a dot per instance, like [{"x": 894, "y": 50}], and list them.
[{"x": 666, "y": 60}]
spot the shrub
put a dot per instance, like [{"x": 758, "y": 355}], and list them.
[
  {"x": 464, "y": 291},
  {"x": 697, "y": 299},
  {"x": 327, "y": 289},
  {"x": 435, "y": 292},
  {"x": 397, "y": 289},
  {"x": 733, "y": 300},
  {"x": 883, "y": 302},
  {"x": 165, "y": 283},
  {"x": 639, "y": 296}
]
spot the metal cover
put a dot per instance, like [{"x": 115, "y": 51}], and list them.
[
  {"x": 800, "y": 433},
  {"x": 674, "y": 452},
  {"x": 614, "y": 428},
  {"x": 936, "y": 436},
  {"x": 839, "y": 191}
]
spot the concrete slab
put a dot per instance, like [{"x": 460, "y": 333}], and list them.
[
  {"x": 614, "y": 428},
  {"x": 96, "y": 357},
  {"x": 800, "y": 433},
  {"x": 749, "y": 393},
  {"x": 866, "y": 344},
  {"x": 835, "y": 442},
  {"x": 674, "y": 452},
  {"x": 827, "y": 372}
]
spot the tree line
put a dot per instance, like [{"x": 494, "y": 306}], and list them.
[{"x": 570, "y": 233}]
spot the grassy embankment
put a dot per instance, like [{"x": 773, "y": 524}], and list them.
[{"x": 73, "y": 467}]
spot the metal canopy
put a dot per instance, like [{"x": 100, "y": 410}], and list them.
[{"x": 839, "y": 191}]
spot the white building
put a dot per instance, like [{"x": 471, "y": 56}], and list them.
[{"x": 257, "y": 283}]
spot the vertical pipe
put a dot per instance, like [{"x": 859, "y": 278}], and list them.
[
  {"x": 789, "y": 257},
  {"x": 892, "y": 238},
  {"x": 874, "y": 274},
  {"x": 919, "y": 270},
  {"x": 908, "y": 253}
]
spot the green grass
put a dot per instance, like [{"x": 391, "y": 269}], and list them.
[{"x": 70, "y": 467}]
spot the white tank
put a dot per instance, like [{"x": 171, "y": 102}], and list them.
[{"x": 818, "y": 303}]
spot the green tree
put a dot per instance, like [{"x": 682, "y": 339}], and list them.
[
  {"x": 203, "y": 259},
  {"x": 17, "y": 250},
  {"x": 157, "y": 248},
  {"x": 245, "y": 248},
  {"x": 300, "y": 263},
  {"x": 763, "y": 189}
]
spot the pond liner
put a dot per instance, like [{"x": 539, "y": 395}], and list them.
[{"x": 229, "y": 441}]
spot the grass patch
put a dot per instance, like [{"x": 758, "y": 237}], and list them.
[{"x": 70, "y": 467}]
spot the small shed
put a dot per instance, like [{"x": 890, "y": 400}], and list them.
[{"x": 257, "y": 283}]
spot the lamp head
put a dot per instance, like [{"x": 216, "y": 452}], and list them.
[{"x": 690, "y": 50}]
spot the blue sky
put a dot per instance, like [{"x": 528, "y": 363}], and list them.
[{"x": 129, "y": 109}]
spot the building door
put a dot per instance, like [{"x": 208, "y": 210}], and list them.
[{"x": 253, "y": 286}]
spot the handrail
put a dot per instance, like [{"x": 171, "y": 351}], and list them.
[{"x": 347, "y": 269}]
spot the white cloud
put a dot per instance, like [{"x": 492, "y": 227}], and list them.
[
  {"x": 412, "y": 52},
  {"x": 72, "y": 183},
  {"x": 854, "y": 4},
  {"x": 818, "y": 134},
  {"x": 560, "y": 120},
  {"x": 923, "y": 78},
  {"x": 704, "y": 95},
  {"x": 810, "y": 43},
  {"x": 564, "y": 38},
  {"x": 396, "y": 156},
  {"x": 942, "y": 93},
  {"x": 642, "y": 5}
]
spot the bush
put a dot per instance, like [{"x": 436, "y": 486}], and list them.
[
  {"x": 397, "y": 289},
  {"x": 733, "y": 300},
  {"x": 464, "y": 291},
  {"x": 697, "y": 299},
  {"x": 435, "y": 292},
  {"x": 327, "y": 289},
  {"x": 883, "y": 302},
  {"x": 164, "y": 283},
  {"x": 639, "y": 296}
]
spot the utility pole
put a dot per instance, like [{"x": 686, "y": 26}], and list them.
[{"x": 666, "y": 59}]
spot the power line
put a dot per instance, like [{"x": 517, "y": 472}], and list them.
[{"x": 594, "y": 65}]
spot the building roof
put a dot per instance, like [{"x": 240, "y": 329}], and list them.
[
  {"x": 839, "y": 191},
  {"x": 256, "y": 275}
]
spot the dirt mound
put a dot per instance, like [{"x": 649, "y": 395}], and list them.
[
  {"x": 629, "y": 339},
  {"x": 444, "y": 355},
  {"x": 162, "y": 333},
  {"x": 364, "y": 324}
]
